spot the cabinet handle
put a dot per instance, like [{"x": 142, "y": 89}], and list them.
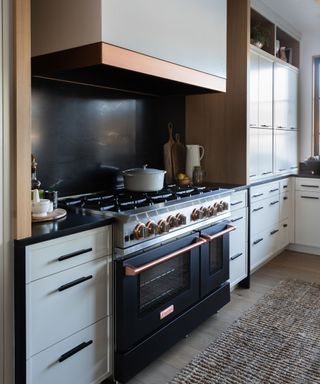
[
  {"x": 257, "y": 241},
  {"x": 281, "y": 169},
  {"x": 309, "y": 186},
  {"x": 73, "y": 254},
  {"x": 74, "y": 350},
  {"x": 266, "y": 173},
  {"x": 273, "y": 232},
  {"x": 257, "y": 195},
  {"x": 253, "y": 125},
  {"x": 74, "y": 282},
  {"x": 236, "y": 256},
  {"x": 293, "y": 128},
  {"x": 274, "y": 202},
  {"x": 266, "y": 126},
  {"x": 254, "y": 175},
  {"x": 293, "y": 167},
  {"x": 236, "y": 203},
  {"x": 310, "y": 197},
  {"x": 285, "y": 186},
  {"x": 285, "y": 225},
  {"x": 237, "y": 219},
  {"x": 285, "y": 198},
  {"x": 257, "y": 209},
  {"x": 274, "y": 190},
  {"x": 281, "y": 127}
]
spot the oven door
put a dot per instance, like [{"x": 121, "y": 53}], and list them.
[
  {"x": 154, "y": 287},
  {"x": 215, "y": 256}
]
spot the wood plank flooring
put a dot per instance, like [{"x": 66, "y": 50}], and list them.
[{"x": 287, "y": 265}]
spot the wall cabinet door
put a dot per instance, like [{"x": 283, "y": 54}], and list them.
[
  {"x": 265, "y": 92},
  {"x": 286, "y": 150},
  {"x": 254, "y": 91},
  {"x": 253, "y": 153},
  {"x": 260, "y": 152}
]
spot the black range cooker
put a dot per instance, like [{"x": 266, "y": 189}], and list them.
[{"x": 171, "y": 265}]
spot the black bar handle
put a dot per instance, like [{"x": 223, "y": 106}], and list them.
[
  {"x": 309, "y": 186},
  {"x": 74, "y": 282},
  {"x": 274, "y": 190},
  {"x": 273, "y": 232},
  {"x": 293, "y": 167},
  {"x": 274, "y": 202},
  {"x": 310, "y": 197},
  {"x": 285, "y": 186},
  {"x": 236, "y": 256},
  {"x": 73, "y": 254},
  {"x": 285, "y": 225},
  {"x": 237, "y": 219},
  {"x": 257, "y": 209},
  {"x": 257, "y": 241},
  {"x": 74, "y": 350},
  {"x": 236, "y": 203},
  {"x": 285, "y": 198},
  {"x": 281, "y": 169},
  {"x": 266, "y": 173},
  {"x": 254, "y": 175},
  {"x": 259, "y": 194}
]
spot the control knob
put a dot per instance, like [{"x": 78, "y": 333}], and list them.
[
  {"x": 181, "y": 219},
  {"x": 152, "y": 228},
  {"x": 221, "y": 206},
  {"x": 213, "y": 210},
  {"x": 173, "y": 221},
  {"x": 197, "y": 214},
  {"x": 163, "y": 226},
  {"x": 225, "y": 205},
  {"x": 140, "y": 231}
]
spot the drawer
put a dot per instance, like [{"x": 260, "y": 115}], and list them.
[
  {"x": 286, "y": 185},
  {"x": 90, "y": 364},
  {"x": 56, "y": 310},
  {"x": 285, "y": 205},
  {"x": 284, "y": 236},
  {"x": 264, "y": 191},
  {"x": 56, "y": 255},
  {"x": 307, "y": 184},
  {"x": 238, "y": 200},
  {"x": 238, "y": 237},
  {"x": 238, "y": 266},
  {"x": 264, "y": 214}
]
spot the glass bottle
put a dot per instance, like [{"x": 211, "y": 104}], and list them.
[{"x": 35, "y": 183}]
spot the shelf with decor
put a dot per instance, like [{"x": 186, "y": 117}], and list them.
[{"x": 270, "y": 38}]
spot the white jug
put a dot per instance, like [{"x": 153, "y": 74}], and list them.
[{"x": 194, "y": 155}]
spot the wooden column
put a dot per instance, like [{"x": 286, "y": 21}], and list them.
[{"x": 22, "y": 44}]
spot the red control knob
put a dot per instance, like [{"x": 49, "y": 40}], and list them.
[
  {"x": 163, "y": 226},
  {"x": 140, "y": 231}
]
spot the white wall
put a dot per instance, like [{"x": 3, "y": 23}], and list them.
[{"x": 310, "y": 46}]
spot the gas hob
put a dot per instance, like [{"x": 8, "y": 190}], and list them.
[{"x": 148, "y": 219}]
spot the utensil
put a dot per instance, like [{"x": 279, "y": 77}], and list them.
[
  {"x": 167, "y": 155},
  {"x": 178, "y": 157},
  {"x": 194, "y": 155},
  {"x": 143, "y": 179}
]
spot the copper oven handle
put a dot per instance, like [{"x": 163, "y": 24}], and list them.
[
  {"x": 230, "y": 228},
  {"x": 132, "y": 271}
]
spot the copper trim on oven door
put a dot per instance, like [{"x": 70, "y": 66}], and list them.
[
  {"x": 230, "y": 228},
  {"x": 134, "y": 271}
]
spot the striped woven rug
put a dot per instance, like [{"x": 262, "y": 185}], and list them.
[{"x": 275, "y": 341}]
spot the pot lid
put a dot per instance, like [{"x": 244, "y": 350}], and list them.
[{"x": 143, "y": 171}]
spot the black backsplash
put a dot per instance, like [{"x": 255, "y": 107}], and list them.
[{"x": 80, "y": 132}]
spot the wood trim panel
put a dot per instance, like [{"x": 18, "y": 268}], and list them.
[
  {"x": 219, "y": 121},
  {"x": 110, "y": 55},
  {"x": 22, "y": 13}
]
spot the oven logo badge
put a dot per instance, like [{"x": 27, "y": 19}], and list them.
[{"x": 166, "y": 312}]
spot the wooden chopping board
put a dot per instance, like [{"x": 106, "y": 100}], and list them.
[
  {"x": 178, "y": 157},
  {"x": 167, "y": 156}
]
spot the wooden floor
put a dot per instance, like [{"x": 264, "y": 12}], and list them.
[{"x": 286, "y": 265}]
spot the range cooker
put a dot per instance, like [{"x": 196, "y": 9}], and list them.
[{"x": 171, "y": 265}]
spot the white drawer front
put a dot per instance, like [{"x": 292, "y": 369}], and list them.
[
  {"x": 54, "y": 314},
  {"x": 285, "y": 205},
  {"x": 239, "y": 236},
  {"x": 238, "y": 200},
  {"x": 264, "y": 245},
  {"x": 56, "y": 255},
  {"x": 90, "y": 365},
  {"x": 238, "y": 266},
  {"x": 307, "y": 184},
  {"x": 264, "y": 214},
  {"x": 286, "y": 185},
  {"x": 284, "y": 236},
  {"x": 264, "y": 191}
]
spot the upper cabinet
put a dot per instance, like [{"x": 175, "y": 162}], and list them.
[{"x": 183, "y": 41}]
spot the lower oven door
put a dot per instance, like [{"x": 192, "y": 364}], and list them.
[
  {"x": 154, "y": 287},
  {"x": 215, "y": 257}
]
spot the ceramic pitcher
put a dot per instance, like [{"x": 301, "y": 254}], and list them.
[{"x": 194, "y": 155}]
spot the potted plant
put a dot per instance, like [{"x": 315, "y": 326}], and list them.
[{"x": 259, "y": 35}]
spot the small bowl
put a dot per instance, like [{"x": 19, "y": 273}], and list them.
[{"x": 41, "y": 208}]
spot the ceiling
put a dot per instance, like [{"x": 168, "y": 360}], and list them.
[{"x": 304, "y": 15}]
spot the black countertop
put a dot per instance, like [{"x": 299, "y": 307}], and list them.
[{"x": 72, "y": 223}]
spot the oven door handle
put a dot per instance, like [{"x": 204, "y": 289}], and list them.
[
  {"x": 229, "y": 228},
  {"x": 134, "y": 271}
]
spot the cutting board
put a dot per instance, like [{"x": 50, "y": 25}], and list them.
[
  {"x": 178, "y": 156},
  {"x": 167, "y": 156}
]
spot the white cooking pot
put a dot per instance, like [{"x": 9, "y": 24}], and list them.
[{"x": 143, "y": 179}]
